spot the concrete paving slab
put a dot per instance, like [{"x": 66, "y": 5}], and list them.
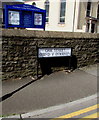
[
  {"x": 13, "y": 84},
  {"x": 57, "y": 88},
  {"x": 91, "y": 69}
]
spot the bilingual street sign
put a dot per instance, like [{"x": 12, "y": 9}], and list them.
[
  {"x": 50, "y": 52},
  {"x": 54, "y": 52},
  {"x": 24, "y": 16}
]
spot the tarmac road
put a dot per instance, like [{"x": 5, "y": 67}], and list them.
[
  {"x": 82, "y": 108},
  {"x": 57, "y": 88},
  {"x": 76, "y": 109}
]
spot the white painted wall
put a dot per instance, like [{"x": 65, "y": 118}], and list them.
[
  {"x": 71, "y": 15},
  {"x": 54, "y": 14},
  {"x": 77, "y": 9},
  {"x": 54, "y": 24}
]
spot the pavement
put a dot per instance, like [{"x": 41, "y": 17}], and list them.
[
  {"x": 91, "y": 69},
  {"x": 26, "y": 95}
]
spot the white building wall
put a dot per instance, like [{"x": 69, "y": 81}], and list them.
[
  {"x": 54, "y": 15},
  {"x": 52, "y": 25},
  {"x": 71, "y": 15},
  {"x": 76, "y": 16}
]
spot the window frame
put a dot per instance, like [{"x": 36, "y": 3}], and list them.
[
  {"x": 62, "y": 12},
  {"x": 89, "y": 8},
  {"x": 47, "y": 7},
  {"x": 98, "y": 11}
]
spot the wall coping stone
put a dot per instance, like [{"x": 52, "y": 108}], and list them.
[{"x": 46, "y": 34}]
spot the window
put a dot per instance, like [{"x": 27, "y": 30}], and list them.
[
  {"x": 98, "y": 12},
  {"x": 47, "y": 10},
  {"x": 62, "y": 11},
  {"x": 2, "y": 15},
  {"x": 88, "y": 26},
  {"x": 92, "y": 28},
  {"x": 88, "y": 9},
  {"x": 34, "y": 4}
]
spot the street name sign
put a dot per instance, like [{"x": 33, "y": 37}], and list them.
[{"x": 54, "y": 52}]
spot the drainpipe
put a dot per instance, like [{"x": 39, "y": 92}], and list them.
[{"x": 74, "y": 16}]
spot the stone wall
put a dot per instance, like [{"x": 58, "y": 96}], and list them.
[{"x": 19, "y": 53}]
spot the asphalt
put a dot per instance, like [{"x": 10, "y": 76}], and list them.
[{"x": 58, "y": 88}]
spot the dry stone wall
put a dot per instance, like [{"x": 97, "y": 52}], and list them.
[{"x": 19, "y": 52}]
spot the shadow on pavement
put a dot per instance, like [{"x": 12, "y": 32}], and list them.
[{"x": 15, "y": 91}]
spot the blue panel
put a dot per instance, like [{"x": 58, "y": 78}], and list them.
[
  {"x": 27, "y": 19},
  {"x": 6, "y": 17},
  {"x": 26, "y": 16},
  {"x": 25, "y": 7}
]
